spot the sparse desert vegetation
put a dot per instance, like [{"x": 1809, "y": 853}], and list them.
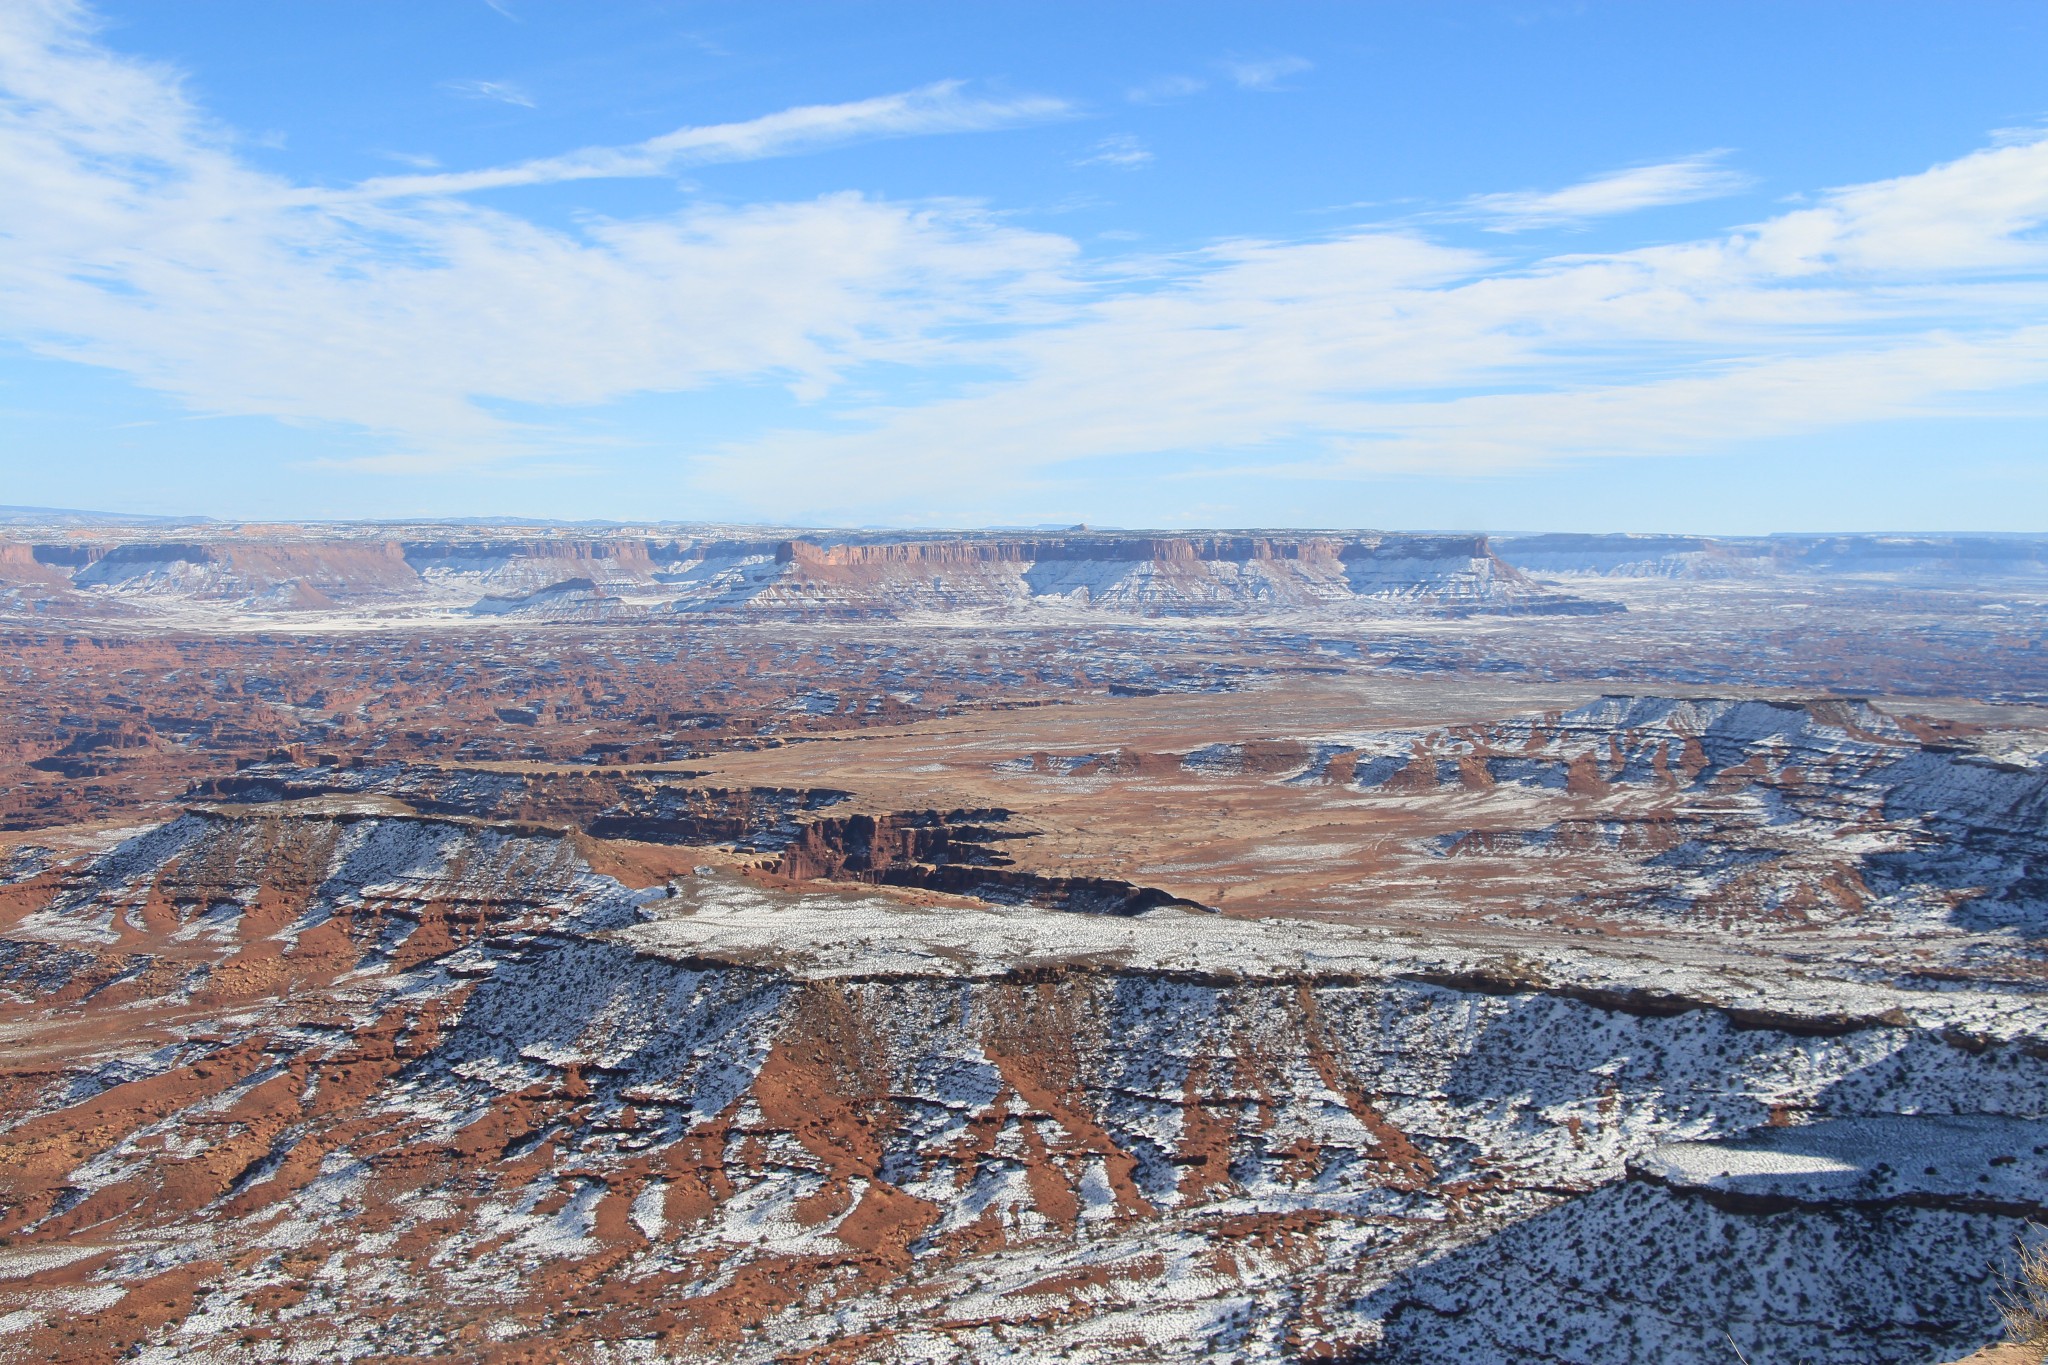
[{"x": 2023, "y": 1303}]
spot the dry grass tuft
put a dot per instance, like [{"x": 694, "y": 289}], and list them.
[{"x": 2023, "y": 1303}]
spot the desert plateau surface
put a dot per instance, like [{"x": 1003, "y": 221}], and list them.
[{"x": 531, "y": 942}]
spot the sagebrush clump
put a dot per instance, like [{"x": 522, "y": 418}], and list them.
[{"x": 2024, "y": 1302}]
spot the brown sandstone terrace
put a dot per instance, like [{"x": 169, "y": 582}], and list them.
[{"x": 683, "y": 944}]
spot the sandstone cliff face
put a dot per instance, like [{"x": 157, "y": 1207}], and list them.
[
  {"x": 346, "y": 1085},
  {"x": 283, "y": 576},
  {"x": 1159, "y": 576},
  {"x": 19, "y": 563}
]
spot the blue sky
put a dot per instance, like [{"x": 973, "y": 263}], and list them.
[{"x": 1715, "y": 267}]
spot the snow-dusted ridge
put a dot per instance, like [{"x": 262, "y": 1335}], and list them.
[{"x": 717, "y": 917}]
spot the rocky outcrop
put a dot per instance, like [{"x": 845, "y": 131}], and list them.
[
  {"x": 21, "y": 563},
  {"x": 953, "y": 852},
  {"x": 663, "y": 808},
  {"x": 1156, "y": 575},
  {"x": 872, "y": 847},
  {"x": 283, "y": 575},
  {"x": 571, "y": 599},
  {"x": 1758, "y": 816},
  {"x": 958, "y": 852}
]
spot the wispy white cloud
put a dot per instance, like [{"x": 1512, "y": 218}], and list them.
[
  {"x": 1685, "y": 181},
  {"x": 1163, "y": 88},
  {"x": 1264, "y": 73},
  {"x": 942, "y": 107},
  {"x": 1383, "y": 352},
  {"x": 2021, "y": 133},
  {"x": 1981, "y": 212},
  {"x": 1741, "y": 400},
  {"x": 134, "y": 234},
  {"x": 502, "y": 92},
  {"x": 1121, "y": 150}
]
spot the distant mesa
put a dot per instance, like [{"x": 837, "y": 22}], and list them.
[
  {"x": 68, "y": 516},
  {"x": 60, "y": 568},
  {"x": 1661, "y": 556},
  {"x": 580, "y": 597},
  {"x": 521, "y": 573}
]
